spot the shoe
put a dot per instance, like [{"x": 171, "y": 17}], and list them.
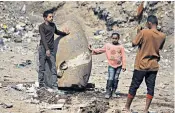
[
  {"x": 54, "y": 87},
  {"x": 41, "y": 85},
  {"x": 107, "y": 96},
  {"x": 114, "y": 88},
  {"x": 57, "y": 91},
  {"x": 108, "y": 89},
  {"x": 114, "y": 94}
]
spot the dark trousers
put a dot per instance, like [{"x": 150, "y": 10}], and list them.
[
  {"x": 42, "y": 60},
  {"x": 138, "y": 76}
]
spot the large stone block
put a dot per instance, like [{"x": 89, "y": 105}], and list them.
[{"x": 73, "y": 58}]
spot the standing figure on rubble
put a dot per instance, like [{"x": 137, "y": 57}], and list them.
[
  {"x": 149, "y": 42},
  {"x": 46, "y": 48},
  {"x": 116, "y": 59}
]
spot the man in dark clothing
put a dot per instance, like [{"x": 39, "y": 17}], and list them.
[
  {"x": 46, "y": 48},
  {"x": 149, "y": 42}
]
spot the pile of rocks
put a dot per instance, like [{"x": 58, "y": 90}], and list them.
[
  {"x": 124, "y": 14},
  {"x": 16, "y": 25}
]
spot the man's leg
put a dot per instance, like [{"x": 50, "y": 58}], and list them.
[
  {"x": 136, "y": 81},
  {"x": 150, "y": 83},
  {"x": 111, "y": 73},
  {"x": 42, "y": 60},
  {"x": 53, "y": 71},
  {"x": 115, "y": 81}
]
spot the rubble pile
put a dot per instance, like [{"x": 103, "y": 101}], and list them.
[
  {"x": 95, "y": 107},
  {"x": 43, "y": 95},
  {"x": 124, "y": 14}
]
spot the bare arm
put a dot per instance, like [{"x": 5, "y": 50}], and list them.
[
  {"x": 98, "y": 51},
  {"x": 161, "y": 46}
]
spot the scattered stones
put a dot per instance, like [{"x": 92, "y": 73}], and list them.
[
  {"x": 95, "y": 107},
  {"x": 165, "y": 50},
  {"x": 6, "y": 105},
  {"x": 18, "y": 87},
  {"x": 1, "y": 85},
  {"x": 99, "y": 32},
  {"x": 59, "y": 106},
  {"x": 29, "y": 28},
  {"x": 46, "y": 96},
  {"x": 11, "y": 30},
  {"x": 18, "y": 40},
  {"x": 167, "y": 25},
  {"x": 1, "y": 42},
  {"x": 23, "y": 10},
  {"x": 152, "y": 3},
  {"x": 55, "y": 106},
  {"x": 31, "y": 90},
  {"x": 120, "y": 2},
  {"x": 24, "y": 64},
  {"x": 20, "y": 26},
  {"x": 7, "y": 36},
  {"x": 32, "y": 101}
]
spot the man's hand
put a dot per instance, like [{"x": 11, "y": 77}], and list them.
[
  {"x": 139, "y": 28},
  {"x": 48, "y": 53},
  {"x": 66, "y": 30},
  {"x": 124, "y": 69}
]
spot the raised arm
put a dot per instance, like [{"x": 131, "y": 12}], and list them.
[
  {"x": 99, "y": 50},
  {"x": 138, "y": 39},
  {"x": 162, "y": 44}
]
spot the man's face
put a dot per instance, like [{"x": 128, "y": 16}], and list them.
[{"x": 49, "y": 18}]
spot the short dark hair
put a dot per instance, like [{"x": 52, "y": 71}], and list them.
[
  {"x": 153, "y": 19},
  {"x": 118, "y": 35},
  {"x": 46, "y": 13}
]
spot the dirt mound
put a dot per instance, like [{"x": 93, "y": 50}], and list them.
[
  {"x": 96, "y": 107},
  {"x": 49, "y": 97}
]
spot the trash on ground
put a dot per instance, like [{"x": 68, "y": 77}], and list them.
[{"x": 5, "y": 105}]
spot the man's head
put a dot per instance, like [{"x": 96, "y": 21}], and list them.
[
  {"x": 152, "y": 21},
  {"x": 48, "y": 16},
  {"x": 115, "y": 37}
]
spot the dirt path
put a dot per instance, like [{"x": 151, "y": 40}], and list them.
[{"x": 162, "y": 101}]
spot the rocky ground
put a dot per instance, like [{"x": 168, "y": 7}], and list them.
[{"x": 19, "y": 38}]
